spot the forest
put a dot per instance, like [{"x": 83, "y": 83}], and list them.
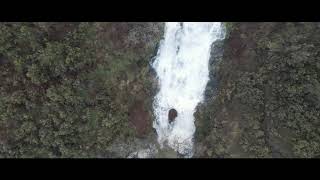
[
  {"x": 67, "y": 88},
  {"x": 267, "y": 101}
]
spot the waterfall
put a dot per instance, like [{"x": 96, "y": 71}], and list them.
[{"x": 181, "y": 65}]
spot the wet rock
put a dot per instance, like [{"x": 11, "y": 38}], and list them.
[
  {"x": 149, "y": 152},
  {"x": 146, "y": 147},
  {"x": 172, "y": 115}
]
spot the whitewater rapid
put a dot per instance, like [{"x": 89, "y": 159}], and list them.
[{"x": 181, "y": 65}]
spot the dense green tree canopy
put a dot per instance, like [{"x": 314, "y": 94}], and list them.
[
  {"x": 66, "y": 87},
  {"x": 268, "y": 98}
]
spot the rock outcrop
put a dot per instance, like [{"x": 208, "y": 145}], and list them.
[{"x": 172, "y": 115}]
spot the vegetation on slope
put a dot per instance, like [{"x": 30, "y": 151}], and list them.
[
  {"x": 66, "y": 88},
  {"x": 268, "y": 99}
]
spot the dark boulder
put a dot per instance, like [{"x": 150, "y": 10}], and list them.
[{"x": 172, "y": 115}]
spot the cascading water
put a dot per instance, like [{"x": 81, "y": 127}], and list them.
[{"x": 182, "y": 68}]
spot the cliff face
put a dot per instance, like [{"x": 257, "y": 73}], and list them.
[
  {"x": 267, "y": 101},
  {"x": 75, "y": 89}
]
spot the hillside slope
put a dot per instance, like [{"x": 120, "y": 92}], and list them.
[
  {"x": 267, "y": 101},
  {"x": 74, "y": 89}
]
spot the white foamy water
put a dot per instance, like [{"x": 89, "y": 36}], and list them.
[{"x": 182, "y": 68}]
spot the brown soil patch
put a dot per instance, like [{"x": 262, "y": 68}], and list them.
[{"x": 140, "y": 118}]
